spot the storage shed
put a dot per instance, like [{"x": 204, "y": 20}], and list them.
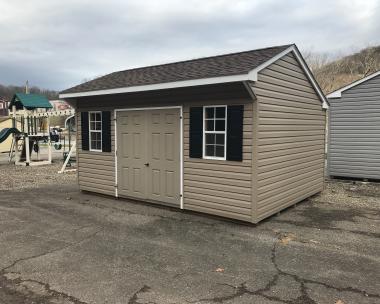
[
  {"x": 238, "y": 135},
  {"x": 354, "y": 130}
]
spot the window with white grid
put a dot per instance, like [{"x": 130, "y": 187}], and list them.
[
  {"x": 214, "y": 132},
  {"x": 95, "y": 130}
]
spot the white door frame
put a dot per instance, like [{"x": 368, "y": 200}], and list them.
[{"x": 181, "y": 144}]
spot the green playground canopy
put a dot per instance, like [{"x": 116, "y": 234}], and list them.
[{"x": 29, "y": 101}]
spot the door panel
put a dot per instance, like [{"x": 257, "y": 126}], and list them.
[
  {"x": 170, "y": 184},
  {"x": 149, "y": 137},
  {"x": 131, "y": 154},
  {"x": 164, "y": 155}
]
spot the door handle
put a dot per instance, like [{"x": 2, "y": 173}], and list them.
[{"x": 146, "y": 164}]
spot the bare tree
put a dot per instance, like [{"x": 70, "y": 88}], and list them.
[
  {"x": 316, "y": 61},
  {"x": 333, "y": 71},
  {"x": 367, "y": 61}
]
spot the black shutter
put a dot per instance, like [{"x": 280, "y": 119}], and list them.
[
  {"x": 196, "y": 132},
  {"x": 235, "y": 132},
  {"x": 106, "y": 131},
  {"x": 85, "y": 134}
]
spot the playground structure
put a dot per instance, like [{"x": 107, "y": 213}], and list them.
[{"x": 31, "y": 129}]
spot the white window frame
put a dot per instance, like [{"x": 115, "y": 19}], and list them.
[
  {"x": 95, "y": 131},
  {"x": 214, "y": 132}
]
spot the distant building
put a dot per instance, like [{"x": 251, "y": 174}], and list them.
[
  {"x": 3, "y": 107},
  {"x": 60, "y": 105}
]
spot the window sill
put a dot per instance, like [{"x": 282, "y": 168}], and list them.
[
  {"x": 244, "y": 162},
  {"x": 213, "y": 158}
]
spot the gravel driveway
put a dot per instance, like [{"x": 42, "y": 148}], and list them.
[
  {"x": 62, "y": 246},
  {"x": 20, "y": 177}
]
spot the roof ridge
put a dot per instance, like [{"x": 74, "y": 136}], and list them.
[
  {"x": 201, "y": 58},
  {"x": 234, "y": 63}
]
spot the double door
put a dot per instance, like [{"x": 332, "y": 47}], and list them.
[{"x": 148, "y": 154}]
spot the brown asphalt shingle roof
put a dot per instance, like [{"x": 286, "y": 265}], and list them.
[{"x": 216, "y": 66}]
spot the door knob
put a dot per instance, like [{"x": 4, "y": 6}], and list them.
[{"x": 146, "y": 164}]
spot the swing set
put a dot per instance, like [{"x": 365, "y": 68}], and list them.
[{"x": 31, "y": 115}]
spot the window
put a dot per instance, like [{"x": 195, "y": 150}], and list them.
[
  {"x": 214, "y": 132},
  {"x": 95, "y": 131}
]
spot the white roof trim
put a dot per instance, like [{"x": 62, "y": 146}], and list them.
[
  {"x": 251, "y": 76},
  {"x": 338, "y": 93},
  {"x": 159, "y": 86},
  {"x": 293, "y": 48}
]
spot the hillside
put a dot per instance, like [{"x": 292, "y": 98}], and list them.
[
  {"x": 334, "y": 74},
  {"x": 7, "y": 92}
]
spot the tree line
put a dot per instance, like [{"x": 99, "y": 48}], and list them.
[
  {"x": 333, "y": 71},
  {"x": 7, "y": 92}
]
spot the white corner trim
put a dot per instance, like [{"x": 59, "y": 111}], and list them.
[
  {"x": 338, "y": 93},
  {"x": 159, "y": 86},
  {"x": 115, "y": 148},
  {"x": 181, "y": 158}
]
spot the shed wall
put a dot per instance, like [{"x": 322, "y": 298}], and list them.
[
  {"x": 290, "y": 137},
  {"x": 96, "y": 170},
  {"x": 217, "y": 187},
  {"x": 354, "y": 132}
]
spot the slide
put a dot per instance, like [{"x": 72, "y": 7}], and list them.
[{"x": 4, "y": 133}]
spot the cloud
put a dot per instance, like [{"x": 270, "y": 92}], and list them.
[{"x": 57, "y": 44}]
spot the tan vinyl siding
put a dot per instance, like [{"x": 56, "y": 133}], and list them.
[
  {"x": 216, "y": 186},
  {"x": 290, "y": 138},
  {"x": 211, "y": 186},
  {"x": 96, "y": 170},
  {"x": 283, "y": 145}
]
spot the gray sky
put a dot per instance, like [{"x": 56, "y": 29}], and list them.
[{"x": 58, "y": 44}]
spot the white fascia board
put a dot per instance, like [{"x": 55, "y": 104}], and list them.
[
  {"x": 338, "y": 93},
  {"x": 159, "y": 86},
  {"x": 253, "y": 75},
  {"x": 335, "y": 94}
]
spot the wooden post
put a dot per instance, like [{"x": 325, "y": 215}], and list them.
[
  {"x": 12, "y": 149},
  {"x": 14, "y": 116},
  {"x": 27, "y": 150},
  {"x": 14, "y": 141},
  {"x": 28, "y": 124},
  {"x": 17, "y": 156},
  {"x": 49, "y": 140},
  {"x": 67, "y": 158}
]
